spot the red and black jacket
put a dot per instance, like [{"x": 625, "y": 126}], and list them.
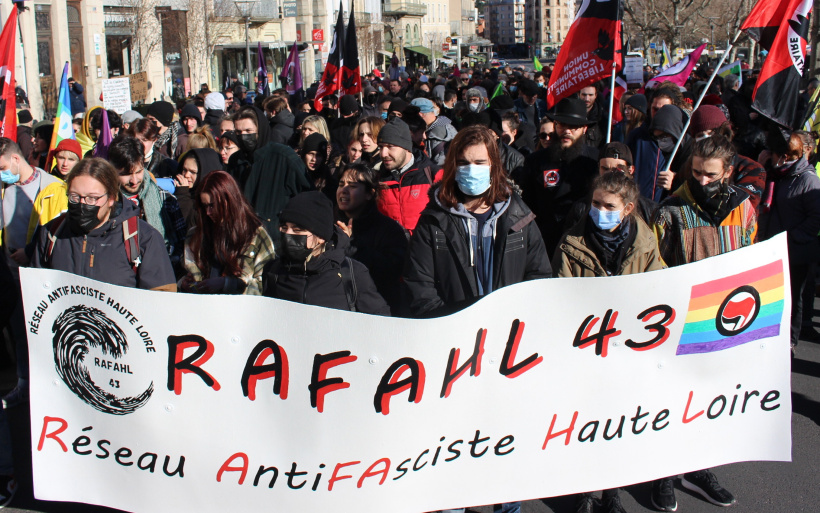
[{"x": 403, "y": 197}]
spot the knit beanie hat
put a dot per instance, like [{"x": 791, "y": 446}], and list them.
[
  {"x": 397, "y": 133},
  {"x": 188, "y": 111},
  {"x": 707, "y": 117},
  {"x": 637, "y": 102},
  {"x": 24, "y": 116},
  {"x": 69, "y": 145},
  {"x": 312, "y": 211},
  {"x": 348, "y": 105},
  {"x": 314, "y": 142},
  {"x": 130, "y": 116},
  {"x": 163, "y": 111},
  {"x": 215, "y": 101}
]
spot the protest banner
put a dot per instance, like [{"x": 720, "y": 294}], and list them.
[
  {"x": 116, "y": 94},
  {"x": 633, "y": 70},
  {"x": 139, "y": 86},
  {"x": 156, "y": 402}
]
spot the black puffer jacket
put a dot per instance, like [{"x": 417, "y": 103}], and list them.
[
  {"x": 319, "y": 281},
  {"x": 438, "y": 273}
]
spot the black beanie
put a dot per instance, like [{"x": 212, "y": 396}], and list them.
[
  {"x": 188, "y": 111},
  {"x": 312, "y": 211},
  {"x": 348, "y": 105},
  {"x": 314, "y": 142},
  {"x": 637, "y": 102},
  {"x": 397, "y": 133},
  {"x": 24, "y": 116},
  {"x": 163, "y": 111},
  {"x": 502, "y": 102}
]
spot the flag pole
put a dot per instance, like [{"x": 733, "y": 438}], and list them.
[
  {"x": 611, "y": 103},
  {"x": 697, "y": 103}
]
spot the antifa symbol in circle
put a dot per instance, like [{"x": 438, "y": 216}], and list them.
[
  {"x": 74, "y": 330},
  {"x": 738, "y": 311}
]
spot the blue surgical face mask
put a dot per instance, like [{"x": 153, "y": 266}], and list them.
[
  {"x": 8, "y": 178},
  {"x": 540, "y": 84},
  {"x": 473, "y": 179},
  {"x": 384, "y": 115},
  {"x": 605, "y": 219},
  {"x": 513, "y": 89},
  {"x": 381, "y": 89}
]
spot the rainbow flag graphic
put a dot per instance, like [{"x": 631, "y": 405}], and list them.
[{"x": 734, "y": 310}]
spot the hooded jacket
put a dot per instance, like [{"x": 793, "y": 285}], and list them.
[
  {"x": 207, "y": 160},
  {"x": 439, "y": 135},
  {"x": 281, "y": 126},
  {"x": 276, "y": 175},
  {"x": 318, "y": 281},
  {"x": 795, "y": 209},
  {"x": 574, "y": 257},
  {"x": 650, "y": 160},
  {"x": 241, "y": 162},
  {"x": 100, "y": 255},
  {"x": 440, "y": 273},
  {"x": 212, "y": 119}
]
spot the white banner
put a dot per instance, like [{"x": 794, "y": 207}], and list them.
[
  {"x": 633, "y": 70},
  {"x": 117, "y": 94},
  {"x": 156, "y": 402}
]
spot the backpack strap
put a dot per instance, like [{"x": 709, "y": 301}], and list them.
[
  {"x": 54, "y": 229},
  {"x": 130, "y": 235},
  {"x": 429, "y": 173},
  {"x": 349, "y": 282}
]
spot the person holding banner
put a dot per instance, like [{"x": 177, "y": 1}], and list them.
[
  {"x": 89, "y": 239},
  {"x": 490, "y": 238},
  {"x": 313, "y": 267},
  {"x": 228, "y": 249}
]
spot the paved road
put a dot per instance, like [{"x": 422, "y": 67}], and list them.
[{"x": 760, "y": 487}]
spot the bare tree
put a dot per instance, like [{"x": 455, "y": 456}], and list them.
[
  {"x": 210, "y": 23},
  {"x": 146, "y": 33}
]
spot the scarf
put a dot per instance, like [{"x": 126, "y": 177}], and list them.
[
  {"x": 151, "y": 203},
  {"x": 171, "y": 134},
  {"x": 611, "y": 246}
]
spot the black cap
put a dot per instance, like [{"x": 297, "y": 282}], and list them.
[
  {"x": 348, "y": 105},
  {"x": 637, "y": 102},
  {"x": 314, "y": 142},
  {"x": 163, "y": 111},
  {"x": 24, "y": 116},
  {"x": 312, "y": 211},
  {"x": 617, "y": 150}
]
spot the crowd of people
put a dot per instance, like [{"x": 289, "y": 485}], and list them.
[{"x": 416, "y": 199}]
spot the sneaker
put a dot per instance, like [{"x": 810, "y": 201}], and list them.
[
  {"x": 663, "y": 495},
  {"x": 612, "y": 504},
  {"x": 8, "y": 487},
  {"x": 585, "y": 503},
  {"x": 705, "y": 483},
  {"x": 18, "y": 396}
]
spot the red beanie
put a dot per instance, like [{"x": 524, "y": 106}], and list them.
[
  {"x": 707, "y": 117},
  {"x": 69, "y": 145}
]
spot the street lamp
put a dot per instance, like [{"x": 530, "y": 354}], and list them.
[
  {"x": 245, "y": 8},
  {"x": 432, "y": 54},
  {"x": 401, "y": 49}
]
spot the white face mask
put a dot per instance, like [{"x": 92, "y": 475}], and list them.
[{"x": 149, "y": 154}]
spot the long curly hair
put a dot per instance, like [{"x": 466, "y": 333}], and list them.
[{"x": 225, "y": 239}]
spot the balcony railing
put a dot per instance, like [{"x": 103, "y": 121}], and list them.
[{"x": 399, "y": 9}]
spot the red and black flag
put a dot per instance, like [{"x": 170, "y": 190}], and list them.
[
  {"x": 763, "y": 22},
  {"x": 591, "y": 46},
  {"x": 332, "y": 78},
  {"x": 8, "y": 99},
  {"x": 776, "y": 93},
  {"x": 351, "y": 75}
]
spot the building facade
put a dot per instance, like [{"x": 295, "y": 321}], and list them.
[
  {"x": 547, "y": 24},
  {"x": 504, "y": 23}
]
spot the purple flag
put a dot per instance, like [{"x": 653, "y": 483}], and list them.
[
  {"x": 292, "y": 74},
  {"x": 262, "y": 74},
  {"x": 104, "y": 141}
]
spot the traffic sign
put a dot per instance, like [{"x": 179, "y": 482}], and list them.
[
  {"x": 448, "y": 39},
  {"x": 652, "y": 46},
  {"x": 445, "y": 46},
  {"x": 712, "y": 51}
]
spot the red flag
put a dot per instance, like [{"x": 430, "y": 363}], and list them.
[
  {"x": 332, "y": 77},
  {"x": 8, "y": 100},
  {"x": 351, "y": 75},
  {"x": 763, "y": 22},
  {"x": 591, "y": 46},
  {"x": 776, "y": 93},
  {"x": 620, "y": 89}
]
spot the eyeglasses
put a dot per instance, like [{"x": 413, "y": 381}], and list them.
[
  {"x": 75, "y": 198},
  {"x": 546, "y": 135}
]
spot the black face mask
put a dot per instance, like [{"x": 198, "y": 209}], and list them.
[
  {"x": 248, "y": 142},
  {"x": 83, "y": 218},
  {"x": 295, "y": 247},
  {"x": 371, "y": 99},
  {"x": 712, "y": 196}
]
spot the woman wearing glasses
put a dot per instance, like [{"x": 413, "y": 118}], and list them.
[{"x": 89, "y": 239}]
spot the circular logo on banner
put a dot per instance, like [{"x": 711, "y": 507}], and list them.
[
  {"x": 738, "y": 311},
  {"x": 80, "y": 330},
  {"x": 551, "y": 178}
]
